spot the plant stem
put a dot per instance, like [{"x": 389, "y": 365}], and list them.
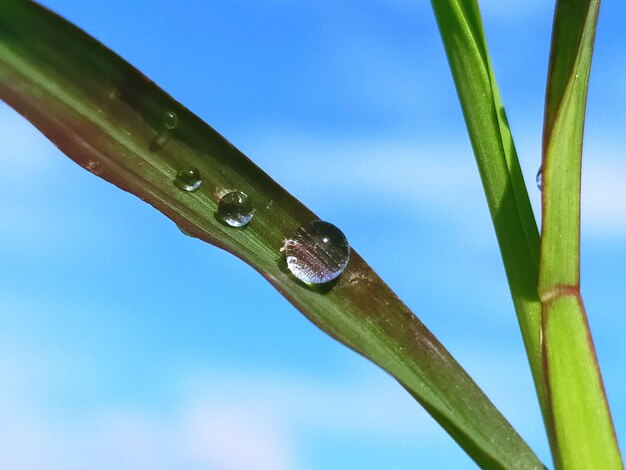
[
  {"x": 513, "y": 219},
  {"x": 581, "y": 429}
]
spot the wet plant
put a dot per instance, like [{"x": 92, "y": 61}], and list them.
[{"x": 113, "y": 121}]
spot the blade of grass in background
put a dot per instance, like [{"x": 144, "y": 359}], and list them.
[
  {"x": 117, "y": 124},
  {"x": 581, "y": 426},
  {"x": 461, "y": 29}
]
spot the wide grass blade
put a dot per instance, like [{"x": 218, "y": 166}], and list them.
[
  {"x": 461, "y": 29},
  {"x": 117, "y": 124},
  {"x": 580, "y": 422}
]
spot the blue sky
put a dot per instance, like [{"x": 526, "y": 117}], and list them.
[{"x": 124, "y": 344}]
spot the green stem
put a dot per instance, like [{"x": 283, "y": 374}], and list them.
[
  {"x": 513, "y": 219},
  {"x": 581, "y": 429}
]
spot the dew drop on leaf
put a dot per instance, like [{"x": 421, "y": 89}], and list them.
[
  {"x": 170, "y": 120},
  {"x": 184, "y": 232},
  {"x": 235, "y": 209},
  {"x": 188, "y": 179},
  {"x": 538, "y": 179},
  {"x": 318, "y": 252}
]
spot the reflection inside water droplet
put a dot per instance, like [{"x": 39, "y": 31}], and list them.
[
  {"x": 115, "y": 93},
  {"x": 92, "y": 166},
  {"x": 538, "y": 179},
  {"x": 170, "y": 120},
  {"x": 188, "y": 179},
  {"x": 235, "y": 209},
  {"x": 318, "y": 252}
]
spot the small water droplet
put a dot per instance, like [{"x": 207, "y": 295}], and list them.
[
  {"x": 184, "y": 232},
  {"x": 170, "y": 120},
  {"x": 188, "y": 179},
  {"x": 318, "y": 252},
  {"x": 538, "y": 179},
  {"x": 93, "y": 166},
  {"x": 235, "y": 209}
]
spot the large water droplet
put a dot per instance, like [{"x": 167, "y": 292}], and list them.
[
  {"x": 188, "y": 179},
  {"x": 170, "y": 120},
  {"x": 539, "y": 178},
  {"x": 318, "y": 252},
  {"x": 235, "y": 209}
]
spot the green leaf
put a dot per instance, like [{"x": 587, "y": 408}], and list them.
[
  {"x": 110, "y": 119},
  {"x": 464, "y": 40},
  {"x": 580, "y": 422}
]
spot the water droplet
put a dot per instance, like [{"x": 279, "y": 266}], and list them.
[
  {"x": 170, "y": 120},
  {"x": 93, "y": 166},
  {"x": 318, "y": 252},
  {"x": 538, "y": 179},
  {"x": 184, "y": 232},
  {"x": 188, "y": 179},
  {"x": 235, "y": 209}
]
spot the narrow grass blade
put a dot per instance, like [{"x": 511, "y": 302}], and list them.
[
  {"x": 461, "y": 29},
  {"x": 117, "y": 124},
  {"x": 581, "y": 427}
]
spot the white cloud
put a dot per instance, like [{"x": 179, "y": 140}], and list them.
[
  {"x": 237, "y": 437},
  {"x": 240, "y": 420},
  {"x": 407, "y": 174},
  {"x": 231, "y": 421},
  {"x": 604, "y": 196},
  {"x": 218, "y": 420},
  {"x": 404, "y": 170},
  {"x": 33, "y": 213},
  {"x": 25, "y": 152},
  {"x": 371, "y": 405},
  {"x": 211, "y": 437}
]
